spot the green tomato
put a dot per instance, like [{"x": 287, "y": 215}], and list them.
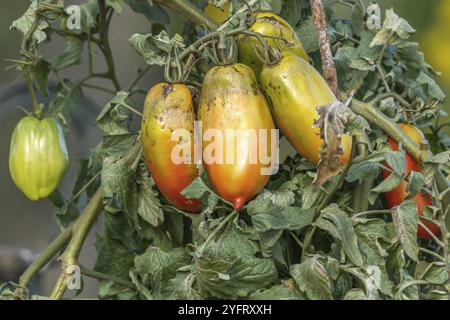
[{"x": 38, "y": 157}]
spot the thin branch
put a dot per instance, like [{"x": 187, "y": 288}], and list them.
[
  {"x": 103, "y": 276},
  {"x": 80, "y": 231},
  {"x": 46, "y": 255},
  {"x": 191, "y": 12},
  {"x": 139, "y": 77},
  {"x": 104, "y": 20}
]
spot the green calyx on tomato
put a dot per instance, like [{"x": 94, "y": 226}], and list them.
[
  {"x": 38, "y": 156},
  {"x": 276, "y": 32}
]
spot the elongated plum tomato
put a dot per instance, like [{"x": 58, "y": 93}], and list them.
[
  {"x": 231, "y": 101},
  {"x": 271, "y": 26},
  {"x": 294, "y": 90},
  {"x": 398, "y": 195},
  {"x": 38, "y": 157},
  {"x": 167, "y": 108}
]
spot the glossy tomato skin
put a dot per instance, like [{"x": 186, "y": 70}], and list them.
[
  {"x": 294, "y": 90},
  {"x": 269, "y": 25},
  {"x": 168, "y": 107},
  {"x": 230, "y": 99},
  {"x": 38, "y": 156},
  {"x": 396, "y": 196}
]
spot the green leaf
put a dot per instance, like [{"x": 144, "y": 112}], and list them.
[
  {"x": 340, "y": 226},
  {"x": 415, "y": 183},
  {"x": 40, "y": 75},
  {"x": 397, "y": 162},
  {"x": 392, "y": 24},
  {"x": 306, "y": 31},
  {"x": 154, "y": 49},
  {"x": 24, "y": 23},
  {"x": 71, "y": 54},
  {"x": 312, "y": 278},
  {"x": 196, "y": 189},
  {"x": 229, "y": 268},
  {"x": 233, "y": 278},
  {"x": 432, "y": 87},
  {"x": 119, "y": 180},
  {"x": 291, "y": 11},
  {"x": 182, "y": 287},
  {"x": 405, "y": 218},
  {"x": 112, "y": 120},
  {"x": 117, "y": 145},
  {"x": 287, "y": 218},
  {"x": 67, "y": 214},
  {"x": 157, "y": 265},
  {"x": 436, "y": 273},
  {"x": 65, "y": 103},
  {"x": 440, "y": 158},
  {"x": 117, "y": 5},
  {"x": 149, "y": 207},
  {"x": 113, "y": 258},
  {"x": 284, "y": 291},
  {"x": 89, "y": 12},
  {"x": 154, "y": 13},
  {"x": 363, "y": 170}
]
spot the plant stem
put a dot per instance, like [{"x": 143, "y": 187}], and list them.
[
  {"x": 105, "y": 46},
  {"x": 432, "y": 253},
  {"x": 80, "y": 230},
  {"x": 92, "y": 86},
  {"x": 37, "y": 110},
  {"x": 361, "y": 194},
  {"x": 45, "y": 257},
  {"x": 84, "y": 223},
  {"x": 297, "y": 240},
  {"x": 376, "y": 117},
  {"x": 328, "y": 67},
  {"x": 191, "y": 12},
  {"x": 365, "y": 213},
  {"x": 103, "y": 276},
  {"x": 139, "y": 77},
  {"x": 83, "y": 188}
]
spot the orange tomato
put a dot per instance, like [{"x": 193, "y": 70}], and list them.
[
  {"x": 398, "y": 195},
  {"x": 231, "y": 100},
  {"x": 168, "y": 107}
]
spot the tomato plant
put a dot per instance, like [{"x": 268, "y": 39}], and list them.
[{"x": 189, "y": 213}]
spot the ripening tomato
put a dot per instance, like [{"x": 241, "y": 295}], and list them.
[
  {"x": 398, "y": 195},
  {"x": 38, "y": 157},
  {"x": 294, "y": 90},
  {"x": 232, "y": 103},
  {"x": 271, "y": 26},
  {"x": 167, "y": 132}
]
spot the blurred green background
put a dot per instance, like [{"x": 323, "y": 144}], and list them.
[{"x": 26, "y": 224}]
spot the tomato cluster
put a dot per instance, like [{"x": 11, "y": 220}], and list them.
[
  {"x": 239, "y": 96},
  {"x": 247, "y": 95},
  {"x": 250, "y": 94}
]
